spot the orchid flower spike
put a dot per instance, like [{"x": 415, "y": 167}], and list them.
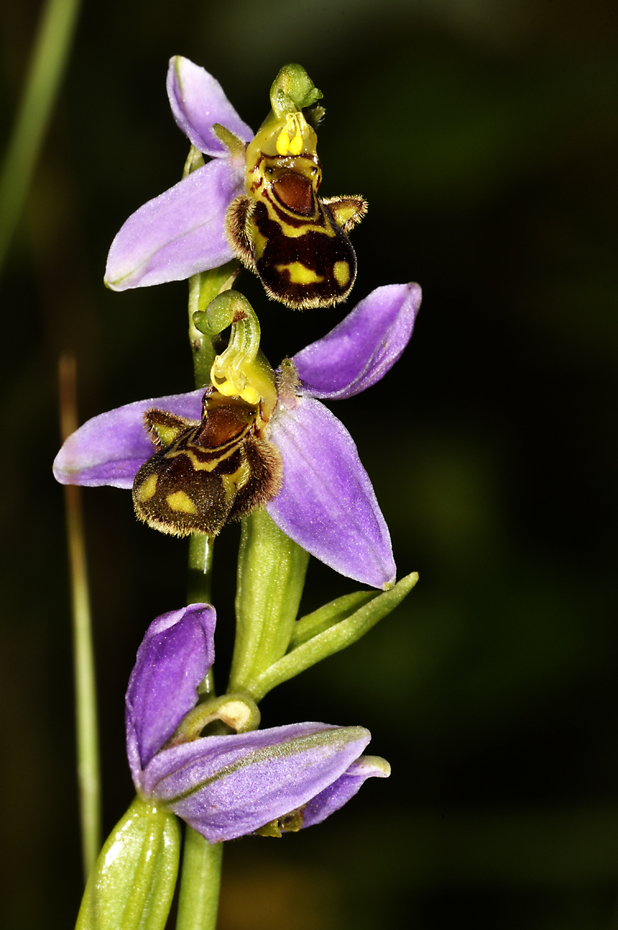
[
  {"x": 315, "y": 487},
  {"x": 265, "y": 781},
  {"x": 257, "y": 199}
]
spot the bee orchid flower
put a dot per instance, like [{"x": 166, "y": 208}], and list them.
[
  {"x": 256, "y": 199},
  {"x": 325, "y": 502},
  {"x": 182, "y": 231},
  {"x": 283, "y": 778}
]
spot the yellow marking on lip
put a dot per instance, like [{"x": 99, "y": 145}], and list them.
[
  {"x": 236, "y": 481},
  {"x": 300, "y": 274},
  {"x": 198, "y": 465},
  {"x": 180, "y": 502},
  {"x": 167, "y": 434},
  {"x": 341, "y": 270},
  {"x": 147, "y": 489},
  {"x": 310, "y": 223},
  {"x": 259, "y": 242}
]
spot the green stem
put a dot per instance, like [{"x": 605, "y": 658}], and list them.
[
  {"x": 201, "y": 550},
  {"x": 47, "y": 64},
  {"x": 201, "y": 862},
  {"x": 199, "y": 886},
  {"x": 88, "y": 772},
  {"x": 199, "y": 587}
]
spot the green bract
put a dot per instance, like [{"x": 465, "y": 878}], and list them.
[
  {"x": 271, "y": 644},
  {"x": 132, "y": 884},
  {"x": 336, "y": 628}
]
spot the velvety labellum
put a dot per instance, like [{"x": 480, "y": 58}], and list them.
[
  {"x": 296, "y": 242},
  {"x": 205, "y": 473}
]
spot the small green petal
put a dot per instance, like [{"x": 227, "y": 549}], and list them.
[{"x": 195, "y": 160}]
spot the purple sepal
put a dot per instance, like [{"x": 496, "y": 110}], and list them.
[
  {"x": 363, "y": 347},
  {"x": 339, "y": 793},
  {"x": 110, "y": 448},
  {"x": 175, "y": 656},
  {"x": 198, "y": 101},
  {"x": 227, "y": 786},
  {"x": 327, "y": 504},
  {"x": 179, "y": 233}
]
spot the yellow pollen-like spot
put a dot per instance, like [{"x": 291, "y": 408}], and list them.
[
  {"x": 180, "y": 502},
  {"x": 296, "y": 145},
  {"x": 238, "y": 386},
  {"x": 250, "y": 395},
  {"x": 341, "y": 270},
  {"x": 300, "y": 274},
  {"x": 283, "y": 143},
  {"x": 147, "y": 489}
]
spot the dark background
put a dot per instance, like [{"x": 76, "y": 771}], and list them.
[{"x": 485, "y": 136}]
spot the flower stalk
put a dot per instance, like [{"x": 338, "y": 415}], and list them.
[
  {"x": 198, "y": 902},
  {"x": 86, "y": 718}
]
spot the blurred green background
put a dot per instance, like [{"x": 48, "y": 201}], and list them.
[{"x": 485, "y": 136}]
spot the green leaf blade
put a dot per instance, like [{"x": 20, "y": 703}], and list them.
[
  {"x": 333, "y": 639},
  {"x": 334, "y": 612}
]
